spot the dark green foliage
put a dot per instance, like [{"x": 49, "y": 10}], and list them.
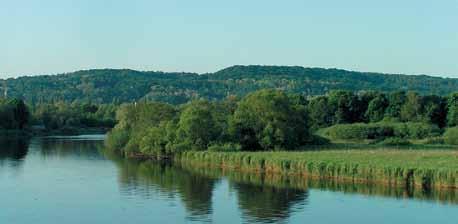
[
  {"x": 273, "y": 120},
  {"x": 123, "y": 85},
  {"x": 264, "y": 120},
  {"x": 396, "y": 100},
  {"x": 435, "y": 110},
  {"x": 198, "y": 125},
  {"x": 14, "y": 114},
  {"x": 64, "y": 116},
  {"x": 320, "y": 113},
  {"x": 376, "y": 108},
  {"x": 452, "y": 115},
  {"x": 150, "y": 127},
  {"x": 268, "y": 120},
  {"x": 346, "y": 106}
]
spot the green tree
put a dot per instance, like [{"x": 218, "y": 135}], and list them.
[
  {"x": 320, "y": 113},
  {"x": 435, "y": 110},
  {"x": 198, "y": 125},
  {"x": 411, "y": 110},
  {"x": 452, "y": 107},
  {"x": 346, "y": 106},
  {"x": 267, "y": 120},
  {"x": 376, "y": 108},
  {"x": 396, "y": 100}
]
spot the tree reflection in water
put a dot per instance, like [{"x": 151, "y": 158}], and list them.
[
  {"x": 68, "y": 147},
  {"x": 268, "y": 204},
  {"x": 13, "y": 151},
  {"x": 147, "y": 179},
  {"x": 260, "y": 197},
  {"x": 195, "y": 188}
]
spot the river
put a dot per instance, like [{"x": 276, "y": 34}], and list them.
[{"x": 74, "y": 180}]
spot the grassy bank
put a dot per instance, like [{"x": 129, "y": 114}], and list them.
[
  {"x": 284, "y": 181},
  {"x": 420, "y": 168}
]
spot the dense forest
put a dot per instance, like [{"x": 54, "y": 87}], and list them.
[
  {"x": 69, "y": 118},
  {"x": 276, "y": 120},
  {"x": 118, "y": 86},
  {"x": 15, "y": 115}
]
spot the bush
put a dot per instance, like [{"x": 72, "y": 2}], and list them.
[
  {"x": 381, "y": 130},
  {"x": 433, "y": 141},
  {"x": 451, "y": 136},
  {"x": 358, "y": 131},
  {"x": 414, "y": 130},
  {"x": 117, "y": 139},
  {"x": 394, "y": 142}
]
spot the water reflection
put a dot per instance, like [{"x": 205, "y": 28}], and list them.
[
  {"x": 188, "y": 190},
  {"x": 148, "y": 179},
  {"x": 449, "y": 196},
  {"x": 13, "y": 150},
  {"x": 269, "y": 204},
  {"x": 260, "y": 197},
  {"x": 62, "y": 147},
  {"x": 260, "y": 203}
]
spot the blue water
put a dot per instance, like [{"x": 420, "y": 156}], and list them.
[{"x": 74, "y": 180}]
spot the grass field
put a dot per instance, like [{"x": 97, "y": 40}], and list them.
[{"x": 425, "y": 167}]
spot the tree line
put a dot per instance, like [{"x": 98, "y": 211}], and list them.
[
  {"x": 274, "y": 120},
  {"x": 69, "y": 117},
  {"x": 15, "y": 114},
  {"x": 105, "y": 86}
]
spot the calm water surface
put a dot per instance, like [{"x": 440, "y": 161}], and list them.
[{"x": 74, "y": 180}]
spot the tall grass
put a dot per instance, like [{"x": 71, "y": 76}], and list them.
[
  {"x": 279, "y": 180},
  {"x": 419, "y": 168}
]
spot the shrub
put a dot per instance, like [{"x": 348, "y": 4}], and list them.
[
  {"x": 381, "y": 130},
  {"x": 451, "y": 136},
  {"x": 433, "y": 141},
  {"x": 358, "y": 131},
  {"x": 394, "y": 142},
  {"x": 117, "y": 139},
  {"x": 414, "y": 130}
]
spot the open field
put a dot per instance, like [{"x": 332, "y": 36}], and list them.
[{"x": 424, "y": 168}]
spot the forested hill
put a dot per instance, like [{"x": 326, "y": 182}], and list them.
[{"x": 122, "y": 85}]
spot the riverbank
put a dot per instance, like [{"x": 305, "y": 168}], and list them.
[
  {"x": 68, "y": 131},
  {"x": 417, "y": 168}
]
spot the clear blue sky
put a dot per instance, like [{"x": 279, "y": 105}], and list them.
[{"x": 392, "y": 36}]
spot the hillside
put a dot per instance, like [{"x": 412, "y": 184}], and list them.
[{"x": 123, "y": 85}]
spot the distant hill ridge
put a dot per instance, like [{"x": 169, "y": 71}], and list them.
[{"x": 125, "y": 85}]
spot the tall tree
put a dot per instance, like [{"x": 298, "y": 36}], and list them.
[
  {"x": 346, "y": 106},
  {"x": 452, "y": 107},
  {"x": 396, "y": 100},
  {"x": 411, "y": 110},
  {"x": 376, "y": 108},
  {"x": 320, "y": 113},
  {"x": 197, "y": 125}
]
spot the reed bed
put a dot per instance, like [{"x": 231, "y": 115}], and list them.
[
  {"x": 417, "y": 168},
  {"x": 278, "y": 180}
]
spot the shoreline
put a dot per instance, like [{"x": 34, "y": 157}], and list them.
[{"x": 272, "y": 163}]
